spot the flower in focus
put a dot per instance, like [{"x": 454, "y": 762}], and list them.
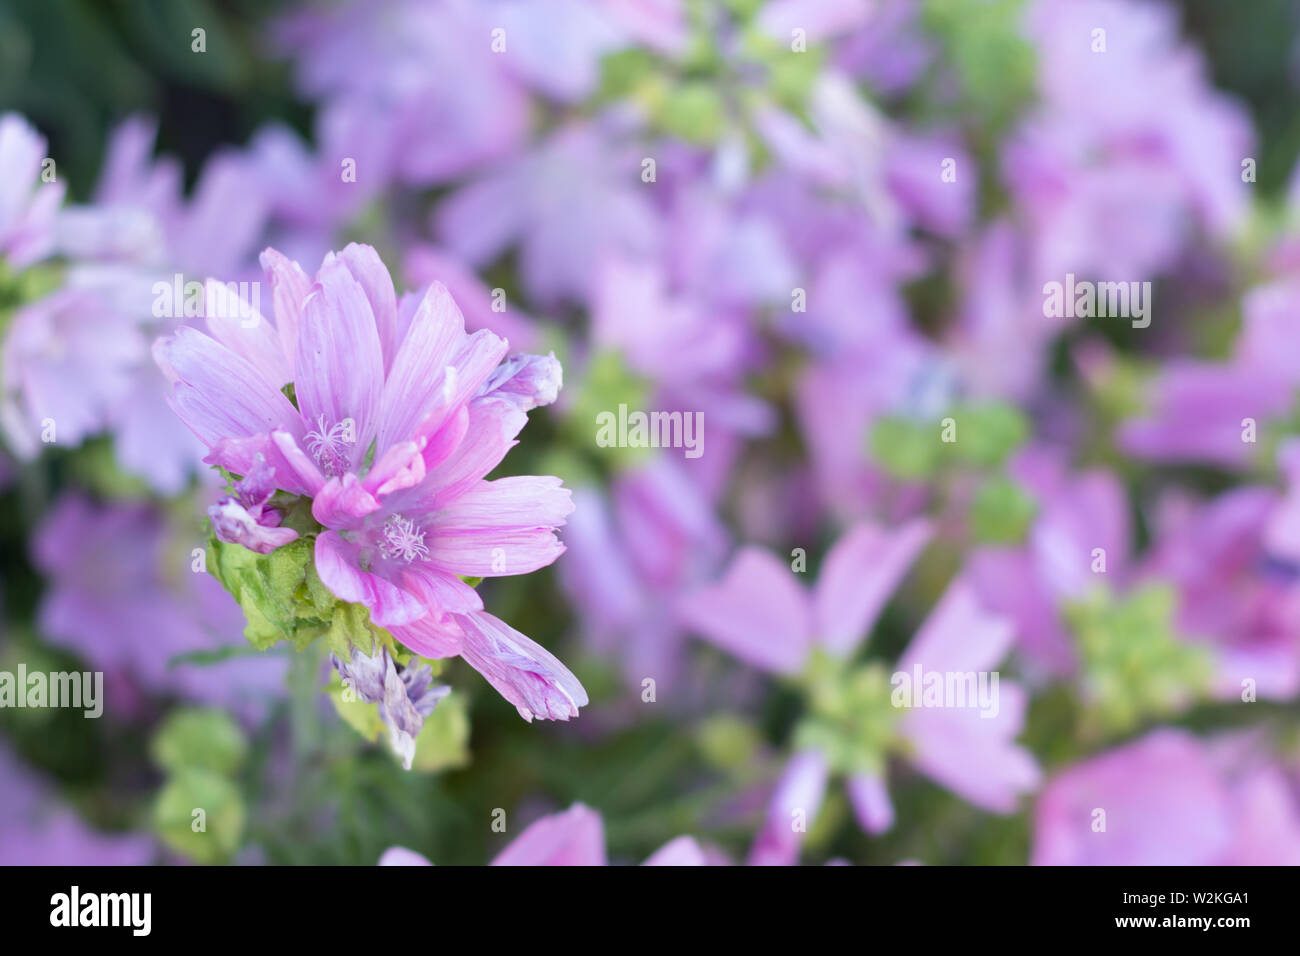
[{"x": 387, "y": 416}]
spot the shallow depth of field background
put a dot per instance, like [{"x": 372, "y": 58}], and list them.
[{"x": 920, "y": 300}]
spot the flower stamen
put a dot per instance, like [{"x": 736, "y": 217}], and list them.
[
  {"x": 402, "y": 540},
  {"x": 328, "y": 446}
]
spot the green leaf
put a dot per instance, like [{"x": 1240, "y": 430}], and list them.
[
  {"x": 443, "y": 741},
  {"x": 609, "y": 383},
  {"x": 851, "y": 717},
  {"x": 266, "y": 587},
  {"x": 624, "y": 70},
  {"x": 729, "y": 743},
  {"x": 984, "y": 42}
]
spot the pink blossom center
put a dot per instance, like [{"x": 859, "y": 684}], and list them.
[
  {"x": 328, "y": 445},
  {"x": 403, "y": 540}
]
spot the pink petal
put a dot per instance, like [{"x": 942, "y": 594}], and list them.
[
  {"x": 1164, "y": 804},
  {"x": 295, "y": 461},
  {"x": 400, "y": 467},
  {"x": 217, "y": 393},
  {"x": 240, "y": 328},
  {"x": 343, "y": 502},
  {"x": 431, "y": 636},
  {"x": 757, "y": 612},
  {"x": 871, "y": 804},
  {"x": 336, "y": 563},
  {"x": 972, "y": 755},
  {"x": 522, "y": 671},
  {"x": 794, "y": 806},
  {"x": 401, "y": 856},
  {"x": 857, "y": 579},
  {"x": 959, "y": 635},
  {"x": 575, "y": 837},
  {"x": 490, "y": 432},
  {"x": 339, "y": 368},
  {"x": 369, "y": 270},
  {"x": 682, "y": 851},
  {"x": 446, "y": 438},
  {"x": 289, "y": 287},
  {"x": 438, "y": 591},
  {"x": 501, "y": 527},
  {"x": 414, "y": 387}
]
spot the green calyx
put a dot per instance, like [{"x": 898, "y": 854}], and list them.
[
  {"x": 979, "y": 435},
  {"x": 850, "y": 717},
  {"x": 1135, "y": 666},
  {"x": 283, "y": 599}
]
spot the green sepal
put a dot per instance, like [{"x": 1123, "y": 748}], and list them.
[
  {"x": 1135, "y": 664},
  {"x": 851, "y": 717},
  {"x": 284, "y": 599}
]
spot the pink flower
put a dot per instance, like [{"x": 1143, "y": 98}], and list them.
[
  {"x": 244, "y": 517},
  {"x": 28, "y": 207},
  {"x": 1233, "y": 594},
  {"x": 1031, "y": 583},
  {"x": 1168, "y": 800},
  {"x": 760, "y": 613},
  {"x": 394, "y": 417},
  {"x": 574, "y": 837}
]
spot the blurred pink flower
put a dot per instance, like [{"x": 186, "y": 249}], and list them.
[
  {"x": 1167, "y": 799},
  {"x": 28, "y": 205},
  {"x": 573, "y": 837}
]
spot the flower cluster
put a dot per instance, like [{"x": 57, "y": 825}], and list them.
[{"x": 912, "y": 391}]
